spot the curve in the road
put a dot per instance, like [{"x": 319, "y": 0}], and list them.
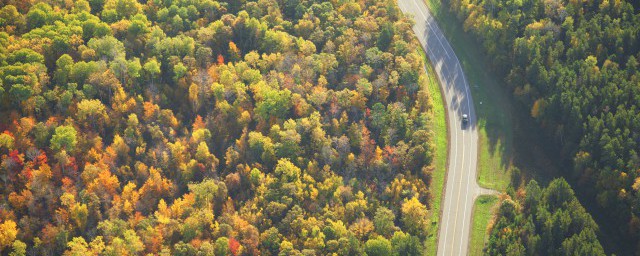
[{"x": 461, "y": 187}]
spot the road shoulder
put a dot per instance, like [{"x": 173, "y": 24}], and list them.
[{"x": 441, "y": 160}]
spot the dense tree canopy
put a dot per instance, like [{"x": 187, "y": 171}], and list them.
[
  {"x": 575, "y": 65},
  {"x": 212, "y": 127},
  {"x": 548, "y": 221}
]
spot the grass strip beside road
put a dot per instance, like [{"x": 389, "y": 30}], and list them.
[
  {"x": 439, "y": 128},
  {"x": 507, "y": 135},
  {"x": 491, "y": 101},
  {"x": 495, "y": 123},
  {"x": 482, "y": 214}
]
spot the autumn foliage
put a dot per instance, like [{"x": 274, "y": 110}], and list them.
[{"x": 211, "y": 127}]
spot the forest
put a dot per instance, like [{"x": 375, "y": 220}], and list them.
[
  {"x": 201, "y": 127},
  {"x": 574, "y": 64},
  {"x": 543, "y": 221}
]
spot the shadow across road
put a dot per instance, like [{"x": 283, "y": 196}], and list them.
[{"x": 461, "y": 187}]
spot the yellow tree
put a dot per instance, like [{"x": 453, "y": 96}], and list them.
[
  {"x": 194, "y": 97},
  {"x": 130, "y": 197},
  {"x": 80, "y": 213},
  {"x": 234, "y": 52},
  {"x": 92, "y": 112},
  {"x": 8, "y": 233},
  {"x": 415, "y": 217}
]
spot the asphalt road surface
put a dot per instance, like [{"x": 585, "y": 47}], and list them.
[{"x": 461, "y": 188}]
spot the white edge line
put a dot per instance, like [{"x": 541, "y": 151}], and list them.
[{"x": 468, "y": 178}]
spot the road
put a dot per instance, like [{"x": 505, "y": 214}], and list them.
[{"x": 461, "y": 187}]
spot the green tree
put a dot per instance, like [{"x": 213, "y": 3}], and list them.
[
  {"x": 405, "y": 244},
  {"x": 19, "y": 248},
  {"x": 39, "y": 15},
  {"x": 551, "y": 221},
  {"x": 276, "y": 103},
  {"x": 64, "y": 65},
  {"x": 107, "y": 48},
  {"x": 378, "y": 247},
  {"x": 384, "y": 221},
  {"x": 222, "y": 246},
  {"x": 385, "y": 37},
  {"x": 6, "y": 141},
  {"x": 64, "y": 137},
  {"x": 9, "y": 16},
  {"x": 91, "y": 112},
  {"x": 152, "y": 69},
  {"x": 82, "y": 70}
]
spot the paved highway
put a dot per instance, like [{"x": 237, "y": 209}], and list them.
[{"x": 461, "y": 188}]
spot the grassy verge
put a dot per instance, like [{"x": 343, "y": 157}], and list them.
[
  {"x": 506, "y": 134},
  {"x": 492, "y": 104},
  {"x": 439, "y": 127},
  {"x": 501, "y": 121},
  {"x": 482, "y": 214}
]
